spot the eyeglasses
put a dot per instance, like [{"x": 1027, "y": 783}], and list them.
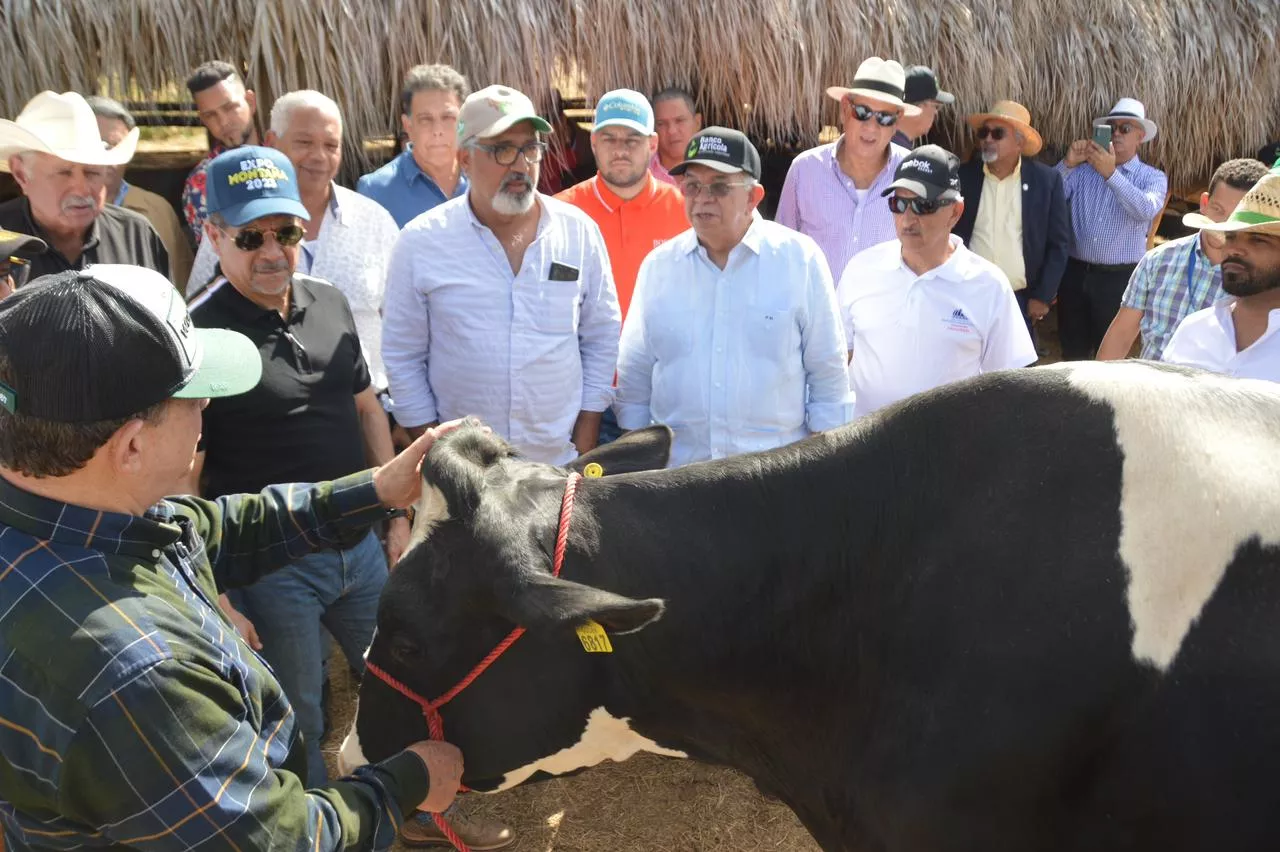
[
  {"x": 715, "y": 189},
  {"x": 1123, "y": 128},
  {"x": 996, "y": 133},
  {"x": 865, "y": 113},
  {"x": 252, "y": 239},
  {"x": 506, "y": 153},
  {"x": 918, "y": 206}
]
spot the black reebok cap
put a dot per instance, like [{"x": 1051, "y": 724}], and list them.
[
  {"x": 722, "y": 149},
  {"x": 929, "y": 171},
  {"x": 922, "y": 85},
  {"x": 110, "y": 341}
]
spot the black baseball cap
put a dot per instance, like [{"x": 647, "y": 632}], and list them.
[
  {"x": 109, "y": 341},
  {"x": 722, "y": 149},
  {"x": 930, "y": 171},
  {"x": 11, "y": 243},
  {"x": 922, "y": 85}
]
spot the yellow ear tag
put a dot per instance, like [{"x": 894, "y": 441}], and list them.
[
  {"x": 593, "y": 638},
  {"x": 593, "y": 471}
]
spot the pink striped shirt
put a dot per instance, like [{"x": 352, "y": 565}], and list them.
[
  {"x": 660, "y": 171},
  {"x": 820, "y": 200}
]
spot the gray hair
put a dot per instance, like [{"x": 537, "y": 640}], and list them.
[
  {"x": 432, "y": 78},
  {"x": 104, "y": 107},
  {"x": 283, "y": 108}
]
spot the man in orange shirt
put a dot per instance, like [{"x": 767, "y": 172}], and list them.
[{"x": 635, "y": 211}]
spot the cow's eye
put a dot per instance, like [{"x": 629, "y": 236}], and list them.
[{"x": 405, "y": 651}]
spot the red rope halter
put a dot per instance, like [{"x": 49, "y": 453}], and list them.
[{"x": 431, "y": 709}]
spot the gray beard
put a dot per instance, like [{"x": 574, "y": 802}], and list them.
[
  {"x": 509, "y": 203},
  {"x": 989, "y": 156}
]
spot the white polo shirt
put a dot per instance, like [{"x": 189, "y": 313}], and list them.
[
  {"x": 1207, "y": 339},
  {"x": 910, "y": 333}
]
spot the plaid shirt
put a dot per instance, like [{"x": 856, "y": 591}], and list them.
[
  {"x": 194, "y": 196},
  {"x": 1171, "y": 282},
  {"x": 1110, "y": 218},
  {"x": 132, "y": 715}
]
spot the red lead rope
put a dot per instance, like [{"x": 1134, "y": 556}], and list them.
[{"x": 431, "y": 709}]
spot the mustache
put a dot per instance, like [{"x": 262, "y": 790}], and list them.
[
  {"x": 77, "y": 202},
  {"x": 268, "y": 267},
  {"x": 513, "y": 180},
  {"x": 1235, "y": 258}
]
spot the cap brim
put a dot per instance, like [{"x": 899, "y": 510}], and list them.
[
  {"x": 241, "y": 214},
  {"x": 507, "y": 122},
  {"x": 21, "y": 243},
  {"x": 229, "y": 365},
  {"x": 715, "y": 165},
  {"x": 923, "y": 190},
  {"x": 944, "y": 97},
  {"x": 629, "y": 124}
]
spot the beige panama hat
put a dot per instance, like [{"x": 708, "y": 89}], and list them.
[
  {"x": 882, "y": 80},
  {"x": 1259, "y": 211},
  {"x": 64, "y": 126},
  {"x": 1015, "y": 115}
]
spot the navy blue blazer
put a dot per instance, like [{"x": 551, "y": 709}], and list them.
[{"x": 1046, "y": 230}]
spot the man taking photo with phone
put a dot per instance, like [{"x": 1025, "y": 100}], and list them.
[{"x": 1113, "y": 198}]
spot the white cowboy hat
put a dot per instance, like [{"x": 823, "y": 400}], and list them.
[
  {"x": 882, "y": 80},
  {"x": 64, "y": 126},
  {"x": 1131, "y": 108}
]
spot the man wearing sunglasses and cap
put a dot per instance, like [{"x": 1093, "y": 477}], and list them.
[
  {"x": 134, "y": 716},
  {"x": 732, "y": 339},
  {"x": 922, "y": 311},
  {"x": 832, "y": 192},
  {"x": 314, "y": 417},
  {"x": 15, "y": 251}
]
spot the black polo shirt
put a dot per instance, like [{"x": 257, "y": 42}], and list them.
[
  {"x": 116, "y": 236},
  {"x": 300, "y": 423}
]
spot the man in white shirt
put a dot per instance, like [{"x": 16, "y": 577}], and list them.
[
  {"x": 733, "y": 337},
  {"x": 1238, "y": 335},
  {"x": 500, "y": 303},
  {"x": 922, "y": 310}
]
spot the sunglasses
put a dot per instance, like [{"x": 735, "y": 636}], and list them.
[
  {"x": 715, "y": 189},
  {"x": 252, "y": 239},
  {"x": 918, "y": 206},
  {"x": 996, "y": 133},
  {"x": 866, "y": 113},
  {"x": 1124, "y": 129}
]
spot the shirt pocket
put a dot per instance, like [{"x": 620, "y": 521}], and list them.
[
  {"x": 554, "y": 308},
  {"x": 771, "y": 335}
]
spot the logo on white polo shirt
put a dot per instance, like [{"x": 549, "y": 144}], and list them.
[{"x": 958, "y": 321}]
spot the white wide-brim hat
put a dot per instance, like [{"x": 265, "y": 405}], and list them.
[
  {"x": 882, "y": 80},
  {"x": 1131, "y": 108},
  {"x": 64, "y": 126}
]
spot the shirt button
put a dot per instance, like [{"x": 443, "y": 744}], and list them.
[
  {"x": 720, "y": 349},
  {"x": 717, "y": 384},
  {"x": 156, "y": 554}
]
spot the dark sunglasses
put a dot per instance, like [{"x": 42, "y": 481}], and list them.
[
  {"x": 996, "y": 133},
  {"x": 251, "y": 239},
  {"x": 865, "y": 113},
  {"x": 918, "y": 206},
  {"x": 1123, "y": 128}
]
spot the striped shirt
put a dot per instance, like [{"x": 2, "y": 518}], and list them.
[
  {"x": 131, "y": 713},
  {"x": 820, "y": 200},
  {"x": 1171, "y": 282},
  {"x": 1110, "y": 218},
  {"x": 526, "y": 351}
]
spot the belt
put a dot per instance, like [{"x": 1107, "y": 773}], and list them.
[{"x": 1102, "y": 267}]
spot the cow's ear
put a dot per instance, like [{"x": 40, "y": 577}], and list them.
[
  {"x": 644, "y": 449},
  {"x": 543, "y": 601}
]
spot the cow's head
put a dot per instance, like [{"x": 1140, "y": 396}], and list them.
[{"x": 479, "y": 564}]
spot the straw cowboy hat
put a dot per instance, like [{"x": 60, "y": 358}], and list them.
[
  {"x": 1131, "y": 108},
  {"x": 882, "y": 80},
  {"x": 1015, "y": 115},
  {"x": 1258, "y": 211},
  {"x": 64, "y": 126}
]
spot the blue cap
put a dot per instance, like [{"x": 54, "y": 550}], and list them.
[
  {"x": 625, "y": 108},
  {"x": 250, "y": 182}
]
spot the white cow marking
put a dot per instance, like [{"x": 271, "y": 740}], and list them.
[
  {"x": 1201, "y": 467},
  {"x": 351, "y": 756},
  {"x": 430, "y": 510},
  {"x": 605, "y": 737}
]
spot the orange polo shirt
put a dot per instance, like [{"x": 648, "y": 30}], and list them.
[{"x": 631, "y": 228}]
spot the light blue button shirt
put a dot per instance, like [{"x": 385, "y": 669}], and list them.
[
  {"x": 404, "y": 189},
  {"x": 527, "y": 351},
  {"x": 747, "y": 358}
]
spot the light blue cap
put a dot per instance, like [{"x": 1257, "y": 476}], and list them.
[{"x": 625, "y": 108}]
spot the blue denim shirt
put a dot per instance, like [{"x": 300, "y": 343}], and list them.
[{"x": 405, "y": 189}]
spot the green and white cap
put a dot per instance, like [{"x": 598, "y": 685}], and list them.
[{"x": 495, "y": 109}]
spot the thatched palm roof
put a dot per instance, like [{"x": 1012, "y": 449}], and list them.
[{"x": 1208, "y": 70}]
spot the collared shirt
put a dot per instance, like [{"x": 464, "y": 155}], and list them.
[
  {"x": 910, "y": 333},
  {"x": 745, "y": 358},
  {"x": 194, "y": 207},
  {"x": 116, "y": 236},
  {"x": 351, "y": 252},
  {"x": 299, "y": 424},
  {"x": 524, "y": 351},
  {"x": 1207, "y": 339},
  {"x": 997, "y": 229},
  {"x": 404, "y": 189},
  {"x": 820, "y": 200},
  {"x": 1170, "y": 282},
  {"x": 159, "y": 212},
  {"x": 631, "y": 228},
  {"x": 1110, "y": 218},
  {"x": 660, "y": 172},
  {"x": 131, "y": 713}
]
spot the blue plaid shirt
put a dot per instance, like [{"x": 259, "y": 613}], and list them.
[
  {"x": 1171, "y": 282},
  {"x": 132, "y": 716},
  {"x": 1110, "y": 218}
]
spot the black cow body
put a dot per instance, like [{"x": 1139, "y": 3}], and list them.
[{"x": 1036, "y": 611}]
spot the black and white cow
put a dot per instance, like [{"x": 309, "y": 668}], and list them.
[{"x": 1039, "y": 610}]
